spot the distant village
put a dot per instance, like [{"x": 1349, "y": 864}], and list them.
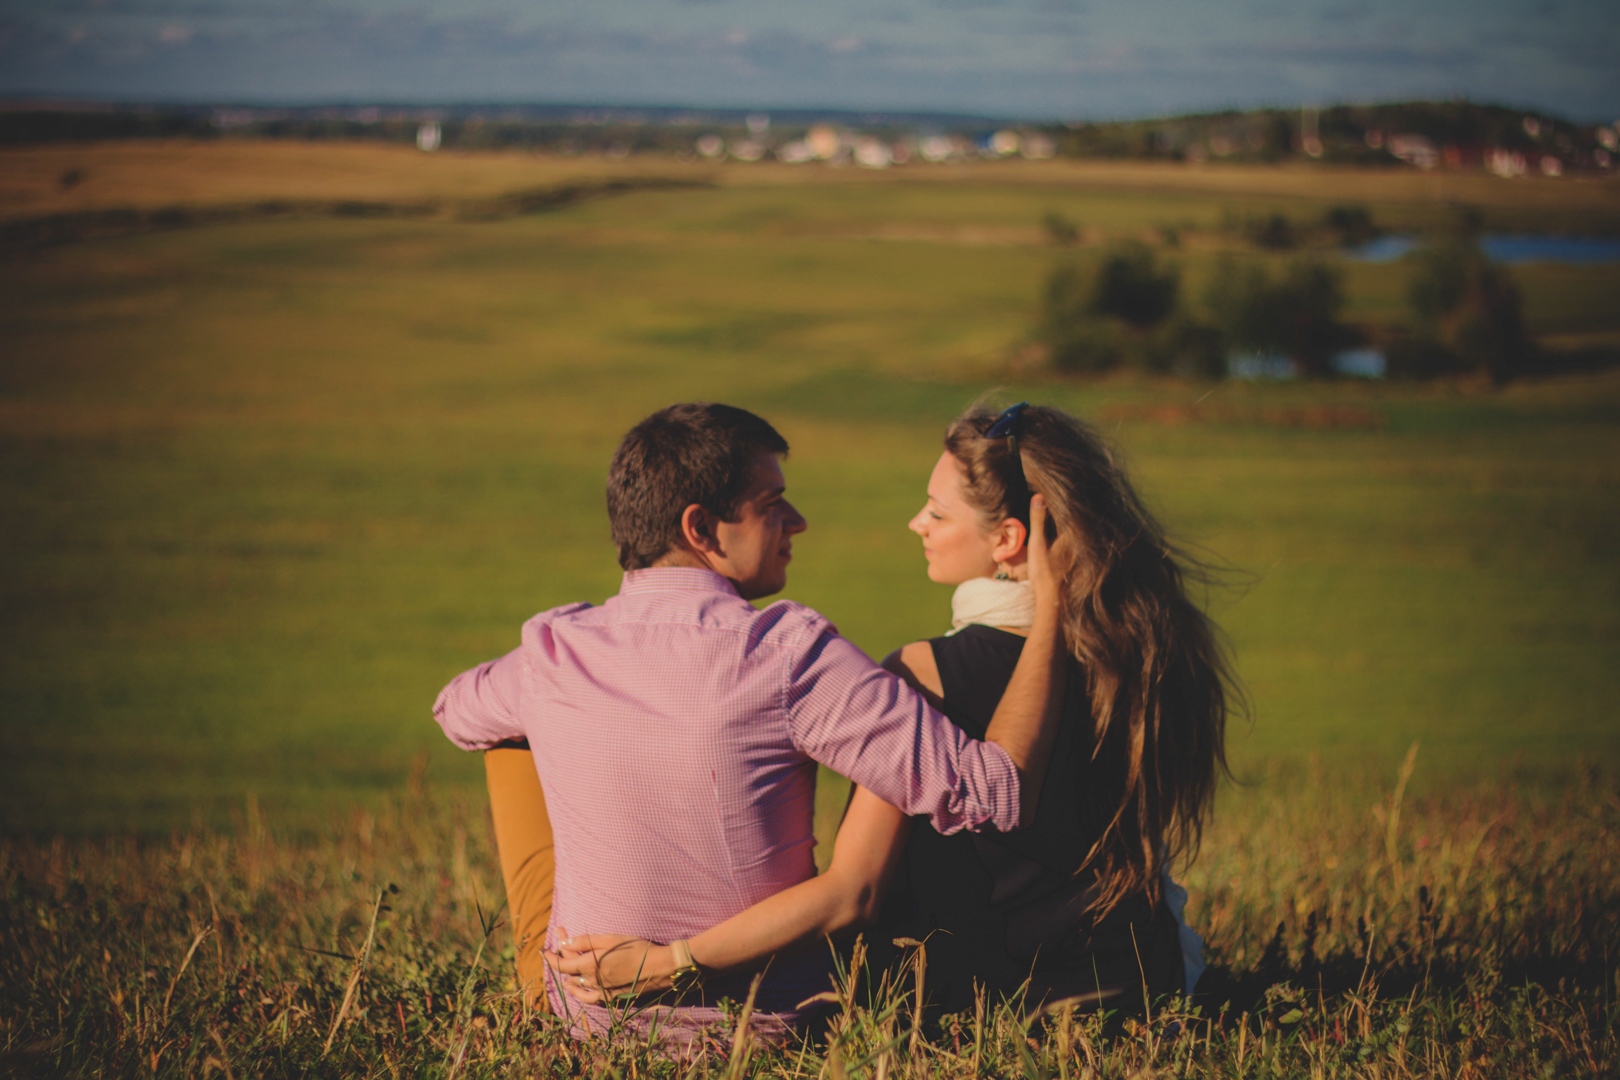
[{"x": 1420, "y": 135}]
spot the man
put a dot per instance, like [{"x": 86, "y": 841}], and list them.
[{"x": 675, "y": 730}]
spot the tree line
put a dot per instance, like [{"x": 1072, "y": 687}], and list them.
[{"x": 1129, "y": 310}]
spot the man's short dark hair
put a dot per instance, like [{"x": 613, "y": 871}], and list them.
[{"x": 696, "y": 452}]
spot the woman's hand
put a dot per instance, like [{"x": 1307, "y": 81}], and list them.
[
  {"x": 595, "y": 968},
  {"x": 1045, "y": 566}
]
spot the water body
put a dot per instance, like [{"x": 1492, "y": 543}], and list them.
[
  {"x": 1507, "y": 248},
  {"x": 1275, "y": 367}
]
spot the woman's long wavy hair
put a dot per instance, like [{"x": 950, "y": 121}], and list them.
[{"x": 1157, "y": 677}]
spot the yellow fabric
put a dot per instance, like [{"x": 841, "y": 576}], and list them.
[{"x": 523, "y": 839}]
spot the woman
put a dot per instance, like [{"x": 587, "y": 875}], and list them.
[{"x": 1077, "y": 905}]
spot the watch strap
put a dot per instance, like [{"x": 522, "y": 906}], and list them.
[{"x": 687, "y": 976}]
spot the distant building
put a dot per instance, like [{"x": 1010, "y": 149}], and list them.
[
  {"x": 936, "y": 147},
  {"x": 1003, "y": 143},
  {"x": 824, "y": 141},
  {"x": 1506, "y": 163},
  {"x": 873, "y": 153},
  {"x": 797, "y": 152},
  {"x": 1414, "y": 150},
  {"x": 428, "y": 137},
  {"x": 1038, "y": 146}
]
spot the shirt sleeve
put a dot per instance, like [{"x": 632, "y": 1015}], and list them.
[
  {"x": 865, "y": 723},
  {"x": 479, "y": 707}
]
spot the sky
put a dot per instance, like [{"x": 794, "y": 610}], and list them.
[{"x": 1034, "y": 59}]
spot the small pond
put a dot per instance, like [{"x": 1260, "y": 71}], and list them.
[{"x": 1505, "y": 248}]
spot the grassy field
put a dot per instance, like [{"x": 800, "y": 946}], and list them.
[
  {"x": 270, "y": 483},
  {"x": 267, "y": 484},
  {"x": 1353, "y": 932}
]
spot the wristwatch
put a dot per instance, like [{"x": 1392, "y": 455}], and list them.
[{"x": 687, "y": 975}]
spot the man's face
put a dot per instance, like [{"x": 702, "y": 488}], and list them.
[{"x": 756, "y": 548}]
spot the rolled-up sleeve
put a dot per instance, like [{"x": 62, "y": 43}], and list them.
[
  {"x": 479, "y": 707},
  {"x": 865, "y": 723}
]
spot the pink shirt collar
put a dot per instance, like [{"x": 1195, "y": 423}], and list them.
[{"x": 688, "y": 579}]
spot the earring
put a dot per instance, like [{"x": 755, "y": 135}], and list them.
[{"x": 1002, "y": 574}]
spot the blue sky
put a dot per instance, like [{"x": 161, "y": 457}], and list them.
[{"x": 1060, "y": 59}]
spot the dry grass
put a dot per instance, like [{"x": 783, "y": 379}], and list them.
[
  {"x": 145, "y": 174},
  {"x": 1355, "y": 931}
]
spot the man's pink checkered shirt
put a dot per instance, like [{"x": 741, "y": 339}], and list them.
[{"x": 676, "y": 730}]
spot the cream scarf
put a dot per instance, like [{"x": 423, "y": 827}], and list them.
[{"x": 993, "y": 603}]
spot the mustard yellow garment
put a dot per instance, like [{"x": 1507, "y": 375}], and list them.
[{"x": 523, "y": 839}]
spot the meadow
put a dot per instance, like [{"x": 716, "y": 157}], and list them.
[{"x": 271, "y": 480}]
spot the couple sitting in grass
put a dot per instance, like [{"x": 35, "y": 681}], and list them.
[{"x": 1022, "y": 783}]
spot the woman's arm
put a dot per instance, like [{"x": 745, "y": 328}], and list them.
[
  {"x": 1037, "y": 684},
  {"x": 850, "y": 893}
]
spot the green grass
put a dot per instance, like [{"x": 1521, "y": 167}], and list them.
[
  {"x": 1353, "y": 931},
  {"x": 269, "y": 485},
  {"x": 265, "y": 487}
]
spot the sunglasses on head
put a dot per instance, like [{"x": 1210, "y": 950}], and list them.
[{"x": 1006, "y": 427}]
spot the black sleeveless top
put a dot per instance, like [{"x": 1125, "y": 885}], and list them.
[{"x": 1005, "y": 908}]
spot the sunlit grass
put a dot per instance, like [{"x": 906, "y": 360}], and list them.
[
  {"x": 1354, "y": 929},
  {"x": 269, "y": 485}
]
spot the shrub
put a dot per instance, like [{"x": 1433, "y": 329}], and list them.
[
  {"x": 1352, "y": 224},
  {"x": 1470, "y": 307},
  {"x": 1296, "y": 316},
  {"x": 1060, "y": 230},
  {"x": 1188, "y": 348},
  {"x": 1098, "y": 320},
  {"x": 1274, "y": 233},
  {"x": 1132, "y": 288},
  {"x": 1421, "y": 356}
]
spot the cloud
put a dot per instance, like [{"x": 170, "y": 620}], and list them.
[{"x": 1037, "y": 58}]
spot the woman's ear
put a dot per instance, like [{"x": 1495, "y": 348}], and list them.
[{"x": 1009, "y": 539}]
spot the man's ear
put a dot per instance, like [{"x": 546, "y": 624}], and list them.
[{"x": 697, "y": 529}]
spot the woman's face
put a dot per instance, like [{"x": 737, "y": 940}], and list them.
[{"x": 955, "y": 541}]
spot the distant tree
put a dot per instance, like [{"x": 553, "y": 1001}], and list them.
[
  {"x": 1296, "y": 316},
  {"x": 1468, "y": 306},
  {"x": 1183, "y": 346},
  {"x": 1352, "y": 224},
  {"x": 1060, "y": 230},
  {"x": 1272, "y": 233},
  {"x": 1078, "y": 340},
  {"x": 1099, "y": 319},
  {"x": 1132, "y": 288}
]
